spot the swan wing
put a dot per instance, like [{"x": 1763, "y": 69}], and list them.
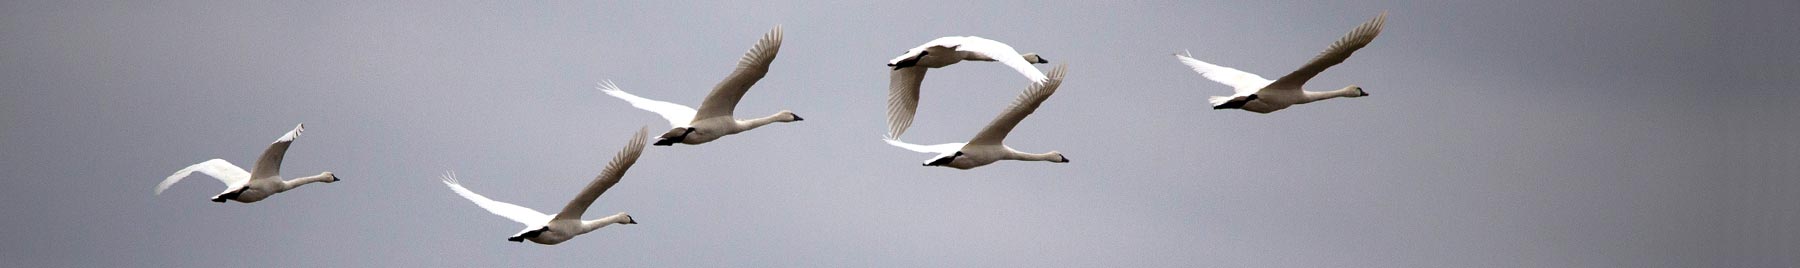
[
  {"x": 903, "y": 98},
  {"x": 725, "y": 96},
  {"x": 607, "y": 178},
  {"x": 931, "y": 149},
  {"x": 1242, "y": 83},
  {"x": 996, "y": 131},
  {"x": 269, "y": 165},
  {"x": 512, "y": 212},
  {"x": 1333, "y": 55},
  {"x": 677, "y": 114},
  {"x": 225, "y": 172},
  {"x": 1001, "y": 52}
]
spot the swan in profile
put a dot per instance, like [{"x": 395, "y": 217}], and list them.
[
  {"x": 714, "y": 118},
  {"x": 260, "y": 183},
  {"x": 564, "y": 225},
  {"x": 909, "y": 71},
  {"x": 988, "y": 145},
  {"x": 1256, "y": 94}
]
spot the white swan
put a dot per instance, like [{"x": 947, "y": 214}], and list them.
[
  {"x": 909, "y": 71},
  {"x": 714, "y": 119},
  {"x": 246, "y": 187},
  {"x": 564, "y": 225},
  {"x": 988, "y": 145},
  {"x": 1256, "y": 94}
]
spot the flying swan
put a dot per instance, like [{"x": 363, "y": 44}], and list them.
[
  {"x": 714, "y": 118},
  {"x": 246, "y": 187},
  {"x": 909, "y": 71},
  {"x": 1256, "y": 94},
  {"x": 565, "y": 225},
  {"x": 988, "y": 145}
]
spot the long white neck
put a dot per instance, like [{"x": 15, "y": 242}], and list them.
[
  {"x": 291, "y": 184},
  {"x": 1050, "y": 156},
  {"x": 747, "y": 125},
  {"x": 590, "y": 226},
  {"x": 1350, "y": 91}
]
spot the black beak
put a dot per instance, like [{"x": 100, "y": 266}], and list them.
[
  {"x": 797, "y": 118},
  {"x": 1364, "y": 93},
  {"x": 334, "y": 179},
  {"x": 663, "y": 142},
  {"x": 516, "y": 239},
  {"x": 1065, "y": 159},
  {"x": 1041, "y": 59}
]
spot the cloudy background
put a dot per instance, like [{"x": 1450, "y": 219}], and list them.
[{"x": 1499, "y": 134}]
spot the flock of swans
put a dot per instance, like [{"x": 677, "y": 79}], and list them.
[{"x": 714, "y": 119}]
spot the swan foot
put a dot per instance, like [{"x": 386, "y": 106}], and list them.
[
  {"x": 233, "y": 195},
  {"x": 671, "y": 138},
  {"x": 1237, "y": 103}
]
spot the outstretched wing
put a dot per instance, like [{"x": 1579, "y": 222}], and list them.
[
  {"x": 930, "y": 149},
  {"x": 903, "y": 98},
  {"x": 231, "y": 175},
  {"x": 1333, "y": 55},
  {"x": 677, "y": 114},
  {"x": 751, "y": 68},
  {"x": 1001, "y": 52},
  {"x": 512, "y": 212},
  {"x": 1241, "y": 82},
  {"x": 607, "y": 178},
  {"x": 269, "y": 165},
  {"x": 996, "y": 131}
]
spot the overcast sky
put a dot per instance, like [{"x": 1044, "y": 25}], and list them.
[{"x": 1498, "y": 134}]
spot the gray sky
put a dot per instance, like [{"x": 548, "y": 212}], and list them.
[{"x": 1499, "y": 134}]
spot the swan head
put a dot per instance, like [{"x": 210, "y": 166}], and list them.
[
  {"x": 788, "y": 116},
  {"x": 1059, "y": 157},
  {"x": 626, "y": 219},
  {"x": 1033, "y": 58},
  {"x": 941, "y": 161},
  {"x": 1355, "y": 91},
  {"x": 330, "y": 177},
  {"x": 674, "y": 136}
]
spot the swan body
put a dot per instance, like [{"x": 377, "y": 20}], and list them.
[
  {"x": 714, "y": 117},
  {"x": 988, "y": 146},
  {"x": 909, "y": 71},
  {"x": 260, "y": 183},
  {"x": 551, "y": 229},
  {"x": 1256, "y": 94}
]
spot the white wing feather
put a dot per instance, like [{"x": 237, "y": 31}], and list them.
[
  {"x": 750, "y": 68},
  {"x": 1336, "y": 53},
  {"x": 677, "y": 114},
  {"x": 268, "y": 166},
  {"x": 232, "y": 175},
  {"x": 940, "y": 149},
  {"x": 903, "y": 98},
  {"x": 512, "y": 212},
  {"x": 1027, "y": 102},
  {"x": 608, "y": 177},
  {"x": 1001, "y": 52},
  {"x": 1242, "y": 83}
]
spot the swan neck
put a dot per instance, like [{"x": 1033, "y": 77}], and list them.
[
  {"x": 590, "y": 226},
  {"x": 1312, "y": 96},
  {"x": 747, "y": 125},
  {"x": 1050, "y": 156},
  {"x": 291, "y": 184}
]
